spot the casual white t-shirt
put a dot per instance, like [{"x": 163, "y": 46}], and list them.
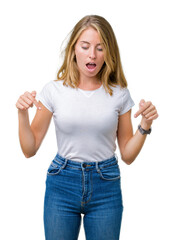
[{"x": 85, "y": 121}]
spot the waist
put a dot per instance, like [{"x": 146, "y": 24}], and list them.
[{"x": 78, "y": 165}]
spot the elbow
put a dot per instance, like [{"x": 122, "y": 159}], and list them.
[
  {"x": 30, "y": 152},
  {"x": 29, "y": 155},
  {"x": 127, "y": 160}
]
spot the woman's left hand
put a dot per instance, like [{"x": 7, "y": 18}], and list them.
[{"x": 148, "y": 112}]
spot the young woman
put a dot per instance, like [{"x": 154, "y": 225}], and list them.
[{"x": 91, "y": 107}]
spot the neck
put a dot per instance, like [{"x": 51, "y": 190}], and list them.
[{"x": 89, "y": 82}]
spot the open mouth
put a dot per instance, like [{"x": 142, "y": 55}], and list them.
[{"x": 91, "y": 66}]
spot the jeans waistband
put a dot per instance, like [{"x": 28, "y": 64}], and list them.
[{"x": 79, "y": 165}]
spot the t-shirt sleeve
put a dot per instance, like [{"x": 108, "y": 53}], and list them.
[
  {"x": 45, "y": 96},
  {"x": 127, "y": 102}
]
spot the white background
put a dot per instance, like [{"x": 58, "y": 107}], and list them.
[{"x": 31, "y": 36}]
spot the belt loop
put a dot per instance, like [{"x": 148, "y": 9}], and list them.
[
  {"x": 116, "y": 157},
  {"x": 97, "y": 167},
  {"x": 64, "y": 165}
]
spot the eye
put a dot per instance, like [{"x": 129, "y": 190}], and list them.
[
  {"x": 85, "y": 48},
  {"x": 100, "y": 49}
]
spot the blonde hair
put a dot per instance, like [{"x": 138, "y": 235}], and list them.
[{"x": 111, "y": 73}]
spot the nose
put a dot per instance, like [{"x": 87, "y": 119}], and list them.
[{"x": 92, "y": 53}]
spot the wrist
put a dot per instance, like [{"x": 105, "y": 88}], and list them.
[
  {"x": 145, "y": 126},
  {"x": 23, "y": 112},
  {"x": 144, "y": 131}
]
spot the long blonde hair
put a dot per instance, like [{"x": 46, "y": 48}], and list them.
[{"x": 111, "y": 73}]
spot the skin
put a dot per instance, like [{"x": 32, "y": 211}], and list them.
[
  {"x": 31, "y": 136},
  {"x": 87, "y": 49}
]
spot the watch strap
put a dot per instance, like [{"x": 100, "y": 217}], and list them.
[{"x": 143, "y": 131}]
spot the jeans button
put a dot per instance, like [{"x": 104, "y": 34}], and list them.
[{"x": 84, "y": 165}]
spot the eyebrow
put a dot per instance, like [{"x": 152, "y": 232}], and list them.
[{"x": 89, "y": 43}]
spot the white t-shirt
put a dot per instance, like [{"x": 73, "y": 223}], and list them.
[{"x": 85, "y": 121}]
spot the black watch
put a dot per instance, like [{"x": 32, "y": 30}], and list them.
[{"x": 143, "y": 131}]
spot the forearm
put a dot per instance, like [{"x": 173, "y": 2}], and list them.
[
  {"x": 26, "y": 137},
  {"x": 134, "y": 145}
]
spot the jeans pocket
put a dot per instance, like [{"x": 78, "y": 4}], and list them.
[
  {"x": 110, "y": 172},
  {"x": 54, "y": 168}
]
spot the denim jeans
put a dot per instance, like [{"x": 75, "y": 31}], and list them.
[{"x": 89, "y": 188}]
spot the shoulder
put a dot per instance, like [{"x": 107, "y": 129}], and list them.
[
  {"x": 119, "y": 91},
  {"x": 49, "y": 84},
  {"x": 52, "y": 85}
]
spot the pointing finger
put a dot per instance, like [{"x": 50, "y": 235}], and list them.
[
  {"x": 142, "y": 109},
  {"x": 33, "y": 93},
  {"x": 142, "y": 102},
  {"x": 35, "y": 102},
  {"x": 139, "y": 112}
]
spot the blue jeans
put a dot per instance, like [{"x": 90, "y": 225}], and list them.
[{"x": 90, "y": 188}]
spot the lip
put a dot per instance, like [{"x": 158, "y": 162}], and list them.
[
  {"x": 91, "y": 63},
  {"x": 91, "y": 69}
]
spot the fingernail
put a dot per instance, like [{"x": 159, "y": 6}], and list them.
[
  {"x": 135, "y": 115},
  {"x": 142, "y": 104},
  {"x": 39, "y": 108}
]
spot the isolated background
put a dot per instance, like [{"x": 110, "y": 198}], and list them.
[{"x": 31, "y": 36}]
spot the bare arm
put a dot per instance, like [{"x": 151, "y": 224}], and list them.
[
  {"x": 129, "y": 144},
  {"x": 31, "y": 136}
]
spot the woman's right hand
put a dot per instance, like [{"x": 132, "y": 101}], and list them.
[{"x": 27, "y": 100}]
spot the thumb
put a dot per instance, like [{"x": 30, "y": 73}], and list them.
[{"x": 141, "y": 103}]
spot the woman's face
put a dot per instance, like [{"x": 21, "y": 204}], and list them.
[{"x": 89, "y": 53}]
